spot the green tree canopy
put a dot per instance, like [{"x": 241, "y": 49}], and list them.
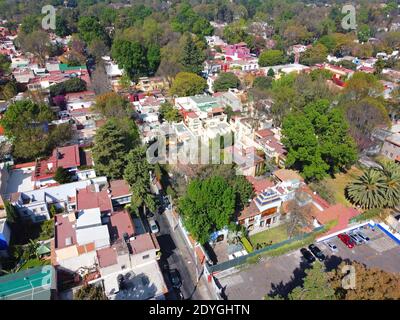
[
  {"x": 169, "y": 113},
  {"x": 316, "y": 54},
  {"x": 62, "y": 175},
  {"x": 225, "y": 81},
  {"x": 24, "y": 123},
  {"x": 192, "y": 56},
  {"x": 188, "y": 84},
  {"x": 111, "y": 104},
  {"x": 89, "y": 29},
  {"x": 208, "y": 205},
  {"x": 271, "y": 58},
  {"x": 137, "y": 174},
  {"x": 317, "y": 140},
  {"x": 131, "y": 56},
  {"x": 109, "y": 151},
  {"x": 71, "y": 85}
]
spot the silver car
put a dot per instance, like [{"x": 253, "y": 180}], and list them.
[
  {"x": 153, "y": 226},
  {"x": 356, "y": 238}
]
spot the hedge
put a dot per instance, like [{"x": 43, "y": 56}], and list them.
[{"x": 246, "y": 244}]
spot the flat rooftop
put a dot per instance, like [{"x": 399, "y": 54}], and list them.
[
  {"x": 142, "y": 283},
  {"x": 20, "y": 180}
]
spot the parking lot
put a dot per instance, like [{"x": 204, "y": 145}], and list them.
[{"x": 282, "y": 274}]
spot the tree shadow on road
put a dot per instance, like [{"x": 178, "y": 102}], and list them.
[
  {"x": 283, "y": 289},
  {"x": 167, "y": 245}
]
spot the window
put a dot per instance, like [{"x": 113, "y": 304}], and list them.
[
  {"x": 146, "y": 256},
  {"x": 273, "y": 219}
]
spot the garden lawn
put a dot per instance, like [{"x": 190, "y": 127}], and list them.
[
  {"x": 339, "y": 183},
  {"x": 34, "y": 263},
  {"x": 277, "y": 234}
]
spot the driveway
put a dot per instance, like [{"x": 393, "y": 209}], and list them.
[{"x": 281, "y": 274}]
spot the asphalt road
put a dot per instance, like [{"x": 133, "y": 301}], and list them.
[{"x": 176, "y": 255}]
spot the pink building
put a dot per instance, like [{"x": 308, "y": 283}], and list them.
[{"x": 237, "y": 51}]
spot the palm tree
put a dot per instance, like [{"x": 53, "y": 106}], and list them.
[
  {"x": 391, "y": 173},
  {"x": 369, "y": 190}
]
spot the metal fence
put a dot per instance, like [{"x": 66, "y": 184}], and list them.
[{"x": 243, "y": 259}]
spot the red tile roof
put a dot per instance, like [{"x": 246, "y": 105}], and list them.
[
  {"x": 259, "y": 185},
  {"x": 264, "y": 133},
  {"x": 144, "y": 242},
  {"x": 107, "y": 257},
  {"x": 64, "y": 229},
  {"x": 90, "y": 199},
  {"x": 65, "y": 157},
  {"x": 336, "y": 212},
  {"x": 119, "y": 188},
  {"x": 120, "y": 223}
]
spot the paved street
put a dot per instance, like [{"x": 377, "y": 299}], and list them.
[
  {"x": 176, "y": 253},
  {"x": 282, "y": 274}
]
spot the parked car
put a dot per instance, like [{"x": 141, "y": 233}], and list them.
[
  {"x": 316, "y": 252},
  {"x": 153, "y": 226},
  {"x": 307, "y": 255},
  {"x": 357, "y": 240},
  {"x": 331, "y": 246},
  {"x": 346, "y": 240},
  {"x": 362, "y": 236},
  {"x": 149, "y": 214},
  {"x": 175, "y": 278}
]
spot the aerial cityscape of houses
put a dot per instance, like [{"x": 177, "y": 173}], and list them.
[{"x": 293, "y": 136}]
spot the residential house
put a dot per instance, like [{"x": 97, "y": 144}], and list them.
[
  {"x": 35, "y": 204},
  {"x": 106, "y": 249},
  {"x": 391, "y": 147},
  {"x": 264, "y": 210},
  {"x": 68, "y": 157},
  {"x": 152, "y": 84},
  {"x": 232, "y": 98},
  {"x": 270, "y": 144}
]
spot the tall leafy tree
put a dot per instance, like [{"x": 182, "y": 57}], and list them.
[
  {"x": 207, "y": 206},
  {"x": 137, "y": 174},
  {"x": 225, "y": 81},
  {"x": 317, "y": 140},
  {"x": 131, "y": 56},
  {"x": 315, "y": 286},
  {"x": 304, "y": 152},
  {"x": 90, "y": 29},
  {"x": 25, "y": 123},
  {"x": 271, "y": 58},
  {"x": 192, "y": 56},
  {"x": 187, "y": 84},
  {"x": 109, "y": 151}
]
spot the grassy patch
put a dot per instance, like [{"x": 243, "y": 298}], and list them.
[
  {"x": 367, "y": 215},
  {"x": 339, "y": 183},
  {"x": 274, "y": 235},
  {"x": 34, "y": 263}
]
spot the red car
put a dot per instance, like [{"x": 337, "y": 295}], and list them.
[{"x": 346, "y": 240}]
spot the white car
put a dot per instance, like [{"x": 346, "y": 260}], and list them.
[
  {"x": 331, "y": 246},
  {"x": 153, "y": 226}
]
